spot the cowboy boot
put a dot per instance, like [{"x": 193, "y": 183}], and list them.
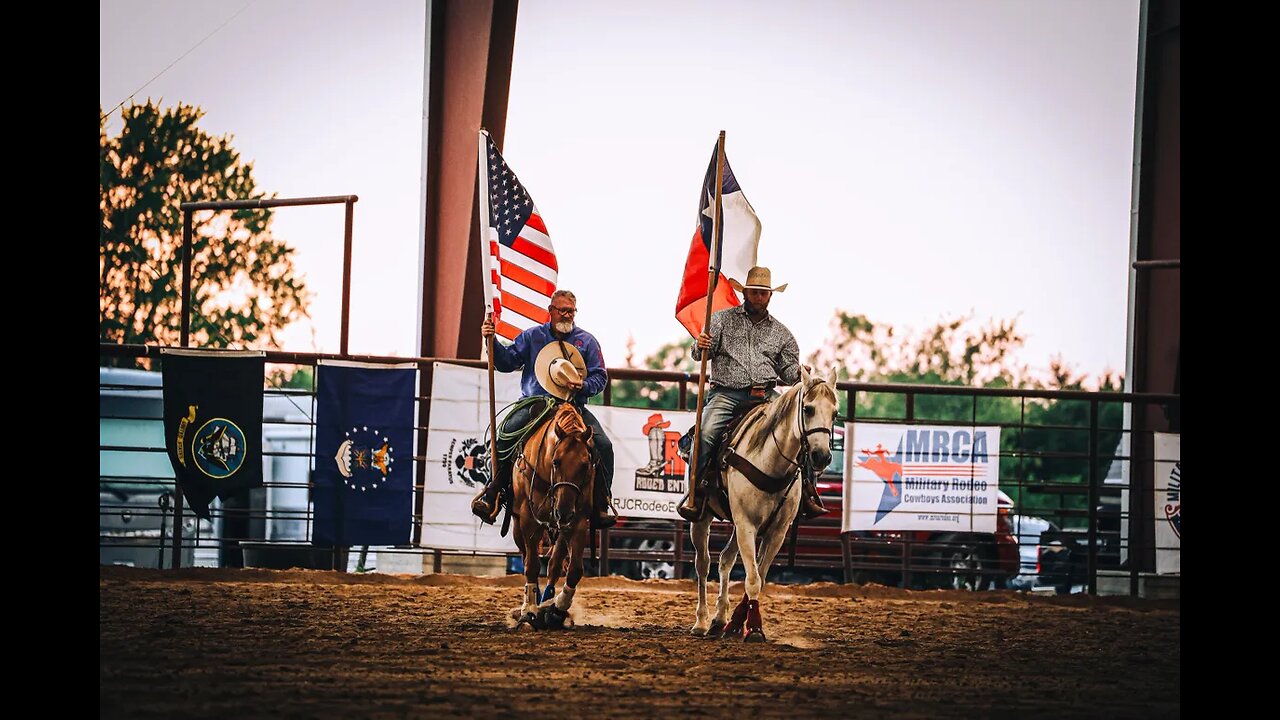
[
  {"x": 603, "y": 515},
  {"x": 485, "y": 505},
  {"x": 810, "y": 502},
  {"x": 694, "y": 505}
]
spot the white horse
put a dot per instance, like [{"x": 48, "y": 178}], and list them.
[{"x": 778, "y": 439}]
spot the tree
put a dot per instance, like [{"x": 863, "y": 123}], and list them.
[
  {"x": 955, "y": 351},
  {"x": 951, "y": 352},
  {"x": 1044, "y": 445},
  {"x": 245, "y": 288},
  {"x": 1055, "y": 467},
  {"x": 676, "y": 357}
]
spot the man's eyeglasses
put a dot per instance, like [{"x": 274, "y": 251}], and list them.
[{"x": 565, "y": 311}]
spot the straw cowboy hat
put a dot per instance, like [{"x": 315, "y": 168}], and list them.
[
  {"x": 655, "y": 421},
  {"x": 758, "y": 278},
  {"x": 554, "y": 372}
]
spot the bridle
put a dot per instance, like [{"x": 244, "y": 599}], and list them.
[
  {"x": 801, "y": 460},
  {"x": 537, "y": 512}
]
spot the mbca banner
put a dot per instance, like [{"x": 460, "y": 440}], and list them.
[
  {"x": 920, "y": 477},
  {"x": 213, "y": 422},
  {"x": 1168, "y": 496},
  {"x": 648, "y": 478},
  {"x": 364, "y": 453}
]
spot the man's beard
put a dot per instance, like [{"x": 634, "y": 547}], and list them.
[
  {"x": 564, "y": 327},
  {"x": 752, "y": 308}
]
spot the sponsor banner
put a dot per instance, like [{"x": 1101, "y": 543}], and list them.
[
  {"x": 920, "y": 477},
  {"x": 457, "y": 457},
  {"x": 649, "y": 476},
  {"x": 1168, "y": 499}
]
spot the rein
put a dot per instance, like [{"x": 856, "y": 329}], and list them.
[{"x": 801, "y": 460}]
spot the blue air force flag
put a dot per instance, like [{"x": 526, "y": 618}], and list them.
[
  {"x": 213, "y": 422},
  {"x": 364, "y": 453}
]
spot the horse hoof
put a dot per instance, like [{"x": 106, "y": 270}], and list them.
[
  {"x": 552, "y": 618},
  {"x": 754, "y": 635},
  {"x": 697, "y": 631},
  {"x": 716, "y": 629},
  {"x": 732, "y": 632}
]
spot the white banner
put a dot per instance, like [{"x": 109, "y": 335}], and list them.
[
  {"x": 648, "y": 480},
  {"x": 920, "y": 477},
  {"x": 456, "y": 457},
  {"x": 1168, "y": 498}
]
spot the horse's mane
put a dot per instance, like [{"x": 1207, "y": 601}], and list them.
[
  {"x": 568, "y": 420},
  {"x": 781, "y": 411}
]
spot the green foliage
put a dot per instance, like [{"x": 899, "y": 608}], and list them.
[
  {"x": 1049, "y": 454},
  {"x": 301, "y": 378},
  {"x": 1044, "y": 445},
  {"x": 676, "y": 357},
  {"x": 245, "y": 288}
]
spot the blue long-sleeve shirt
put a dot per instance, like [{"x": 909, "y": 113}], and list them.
[{"x": 522, "y": 353}]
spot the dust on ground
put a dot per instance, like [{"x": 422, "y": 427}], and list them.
[{"x": 309, "y": 644}]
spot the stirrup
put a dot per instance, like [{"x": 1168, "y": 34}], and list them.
[
  {"x": 605, "y": 517},
  {"x": 811, "y": 507},
  {"x": 483, "y": 510},
  {"x": 695, "y": 510}
]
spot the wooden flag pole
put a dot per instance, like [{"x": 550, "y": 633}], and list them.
[
  {"x": 493, "y": 413},
  {"x": 689, "y": 509},
  {"x": 482, "y": 216}
]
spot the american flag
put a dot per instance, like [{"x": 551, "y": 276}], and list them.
[{"x": 521, "y": 262}]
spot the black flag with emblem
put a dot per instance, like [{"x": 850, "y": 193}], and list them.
[{"x": 213, "y": 422}]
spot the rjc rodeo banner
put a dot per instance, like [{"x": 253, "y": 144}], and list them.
[{"x": 920, "y": 477}]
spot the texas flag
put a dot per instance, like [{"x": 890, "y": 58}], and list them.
[{"x": 739, "y": 236}]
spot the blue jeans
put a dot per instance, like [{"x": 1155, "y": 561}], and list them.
[
  {"x": 604, "y": 447},
  {"x": 716, "y": 413}
]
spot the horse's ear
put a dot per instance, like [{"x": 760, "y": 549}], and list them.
[
  {"x": 804, "y": 375},
  {"x": 835, "y": 375},
  {"x": 587, "y": 434}
]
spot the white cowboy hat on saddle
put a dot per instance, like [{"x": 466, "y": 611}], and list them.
[
  {"x": 557, "y": 375},
  {"x": 758, "y": 278}
]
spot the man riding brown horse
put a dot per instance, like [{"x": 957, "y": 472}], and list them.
[{"x": 579, "y": 374}]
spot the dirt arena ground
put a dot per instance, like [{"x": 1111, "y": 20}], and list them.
[{"x": 309, "y": 644}]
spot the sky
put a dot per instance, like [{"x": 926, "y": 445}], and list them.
[{"x": 910, "y": 160}]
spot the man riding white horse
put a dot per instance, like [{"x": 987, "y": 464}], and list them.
[{"x": 751, "y": 352}]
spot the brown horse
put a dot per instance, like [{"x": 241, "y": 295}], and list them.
[{"x": 553, "y": 481}]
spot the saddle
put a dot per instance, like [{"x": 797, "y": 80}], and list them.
[
  {"x": 712, "y": 478},
  {"x": 516, "y": 452}
]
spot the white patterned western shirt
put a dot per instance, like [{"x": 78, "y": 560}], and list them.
[{"x": 746, "y": 353}]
